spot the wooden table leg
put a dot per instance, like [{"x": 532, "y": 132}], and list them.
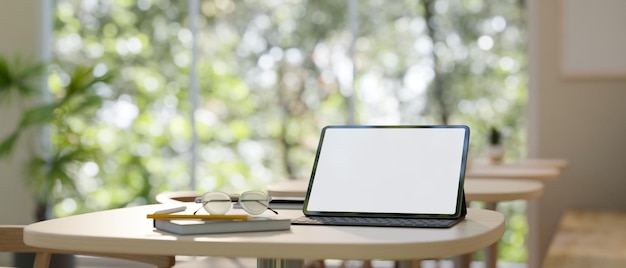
[
  {"x": 279, "y": 263},
  {"x": 315, "y": 264},
  {"x": 491, "y": 252},
  {"x": 408, "y": 264},
  {"x": 42, "y": 260},
  {"x": 463, "y": 261}
]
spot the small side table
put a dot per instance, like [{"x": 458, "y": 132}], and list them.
[{"x": 491, "y": 191}]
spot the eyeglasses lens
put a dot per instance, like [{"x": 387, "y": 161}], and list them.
[
  {"x": 216, "y": 203},
  {"x": 254, "y": 202}
]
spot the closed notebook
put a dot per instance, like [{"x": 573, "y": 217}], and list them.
[
  {"x": 188, "y": 227},
  {"x": 283, "y": 203}
]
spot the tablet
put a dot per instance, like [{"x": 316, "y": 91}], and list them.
[{"x": 389, "y": 171}]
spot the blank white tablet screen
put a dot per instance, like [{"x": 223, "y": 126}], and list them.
[{"x": 415, "y": 170}]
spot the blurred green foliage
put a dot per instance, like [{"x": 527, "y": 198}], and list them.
[
  {"x": 19, "y": 77},
  {"x": 52, "y": 170},
  {"x": 272, "y": 73}
]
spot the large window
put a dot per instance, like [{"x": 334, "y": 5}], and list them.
[{"x": 231, "y": 95}]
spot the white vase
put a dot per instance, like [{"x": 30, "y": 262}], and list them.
[{"x": 495, "y": 153}]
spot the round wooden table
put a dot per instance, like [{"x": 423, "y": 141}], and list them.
[
  {"x": 476, "y": 189},
  {"x": 513, "y": 172},
  {"x": 560, "y": 164},
  {"x": 492, "y": 191},
  {"x": 540, "y": 169},
  {"x": 532, "y": 169},
  {"x": 127, "y": 230},
  {"x": 541, "y": 162}
]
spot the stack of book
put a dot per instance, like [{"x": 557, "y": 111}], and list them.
[
  {"x": 287, "y": 203},
  {"x": 216, "y": 224}
]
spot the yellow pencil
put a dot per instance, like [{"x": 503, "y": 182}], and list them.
[{"x": 198, "y": 217}]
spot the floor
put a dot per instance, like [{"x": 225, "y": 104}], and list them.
[
  {"x": 212, "y": 262},
  {"x": 198, "y": 262}
]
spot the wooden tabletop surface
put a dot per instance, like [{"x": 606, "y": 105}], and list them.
[{"x": 128, "y": 230}]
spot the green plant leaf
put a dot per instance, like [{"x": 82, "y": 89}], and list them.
[
  {"x": 7, "y": 145},
  {"x": 20, "y": 78},
  {"x": 38, "y": 115},
  {"x": 86, "y": 103},
  {"x": 495, "y": 136},
  {"x": 5, "y": 74},
  {"x": 47, "y": 173},
  {"x": 83, "y": 79}
]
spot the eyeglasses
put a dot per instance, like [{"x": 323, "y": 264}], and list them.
[{"x": 218, "y": 203}]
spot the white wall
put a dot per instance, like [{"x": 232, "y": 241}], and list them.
[
  {"x": 20, "y": 34},
  {"x": 581, "y": 120}
]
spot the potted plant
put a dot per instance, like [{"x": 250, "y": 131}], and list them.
[
  {"x": 495, "y": 149},
  {"x": 49, "y": 171}
]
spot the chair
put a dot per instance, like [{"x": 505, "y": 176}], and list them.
[{"x": 11, "y": 240}]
